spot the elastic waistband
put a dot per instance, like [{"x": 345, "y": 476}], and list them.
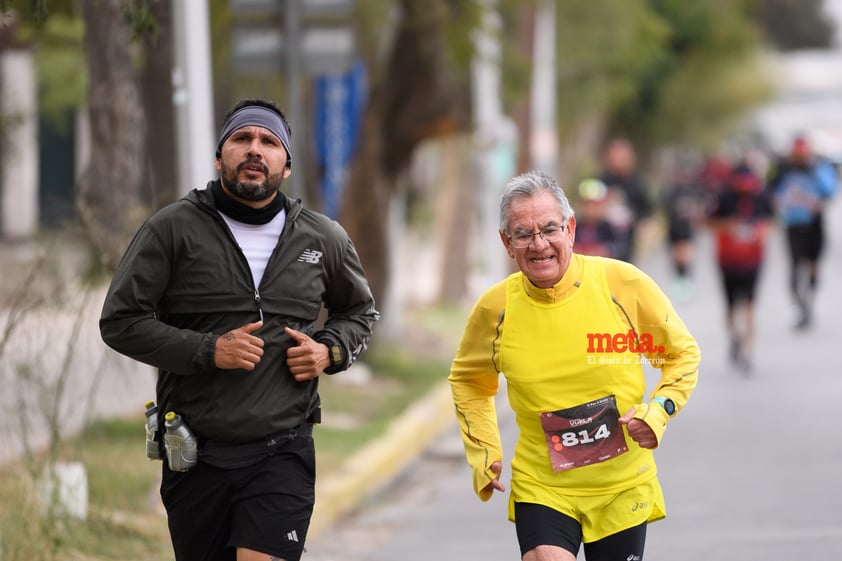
[
  {"x": 304, "y": 430},
  {"x": 221, "y": 454}
]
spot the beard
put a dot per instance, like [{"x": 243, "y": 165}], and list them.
[{"x": 251, "y": 190}]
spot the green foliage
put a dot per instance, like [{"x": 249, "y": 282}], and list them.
[
  {"x": 138, "y": 16},
  {"x": 702, "y": 116},
  {"x": 56, "y": 35},
  {"x": 136, "y": 13},
  {"x": 463, "y": 19},
  {"x": 60, "y": 61},
  {"x": 126, "y": 468},
  {"x": 794, "y": 24},
  {"x": 659, "y": 71},
  {"x": 605, "y": 49},
  {"x": 399, "y": 378},
  {"x": 373, "y": 24},
  {"x": 22, "y": 527},
  {"x": 375, "y": 19},
  {"x": 56, "y": 32},
  {"x": 515, "y": 64},
  {"x": 31, "y": 10},
  {"x": 704, "y": 81},
  {"x": 37, "y": 12}
]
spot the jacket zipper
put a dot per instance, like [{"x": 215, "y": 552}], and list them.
[
  {"x": 245, "y": 260},
  {"x": 291, "y": 214},
  {"x": 259, "y": 305}
]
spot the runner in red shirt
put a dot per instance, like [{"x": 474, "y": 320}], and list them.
[{"x": 740, "y": 217}]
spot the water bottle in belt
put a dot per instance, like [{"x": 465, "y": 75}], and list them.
[
  {"x": 180, "y": 443},
  {"x": 153, "y": 435}
]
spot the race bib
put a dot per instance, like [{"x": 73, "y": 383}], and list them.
[
  {"x": 585, "y": 434},
  {"x": 744, "y": 232}
]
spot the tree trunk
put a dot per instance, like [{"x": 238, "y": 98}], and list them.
[
  {"x": 161, "y": 171},
  {"x": 108, "y": 198},
  {"x": 456, "y": 213},
  {"x": 576, "y": 156},
  {"x": 365, "y": 210},
  {"x": 417, "y": 96}
]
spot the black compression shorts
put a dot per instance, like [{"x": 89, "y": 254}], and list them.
[
  {"x": 265, "y": 506},
  {"x": 541, "y": 525},
  {"x": 806, "y": 240},
  {"x": 740, "y": 286}
]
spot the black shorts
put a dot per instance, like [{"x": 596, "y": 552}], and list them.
[
  {"x": 740, "y": 285},
  {"x": 680, "y": 231},
  {"x": 806, "y": 241},
  {"x": 541, "y": 525},
  {"x": 265, "y": 506}
]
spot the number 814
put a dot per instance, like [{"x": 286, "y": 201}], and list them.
[{"x": 569, "y": 439}]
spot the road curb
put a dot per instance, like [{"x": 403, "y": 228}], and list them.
[{"x": 375, "y": 465}]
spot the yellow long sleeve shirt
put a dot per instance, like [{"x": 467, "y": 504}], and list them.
[{"x": 562, "y": 347}]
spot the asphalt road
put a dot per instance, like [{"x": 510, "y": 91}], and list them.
[{"x": 750, "y": 468}]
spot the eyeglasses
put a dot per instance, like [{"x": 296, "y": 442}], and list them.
[{"x": 522, "y": 240}]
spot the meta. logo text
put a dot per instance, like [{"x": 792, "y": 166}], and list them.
[{"x": 623, "y": 342}]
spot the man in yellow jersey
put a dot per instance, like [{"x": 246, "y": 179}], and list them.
[{"x": 570, "y": 333}]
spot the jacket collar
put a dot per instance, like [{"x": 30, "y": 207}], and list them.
[
  {"x": 563, "y": 288},
  {"x": 204, "y": 198}
]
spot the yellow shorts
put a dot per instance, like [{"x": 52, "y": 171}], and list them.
[{"x": 603, "y": 515}]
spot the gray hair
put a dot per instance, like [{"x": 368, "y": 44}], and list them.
[{"x": 527, "y": 185}]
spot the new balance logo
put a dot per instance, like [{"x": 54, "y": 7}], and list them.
[
  {"x": 292, "y": 536},
  {"x": 310, "y": 256}
]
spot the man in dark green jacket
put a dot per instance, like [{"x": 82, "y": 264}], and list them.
[{"x": 222, "y": 291}]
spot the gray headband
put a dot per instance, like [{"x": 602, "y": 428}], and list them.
[{"x": 256, "y": 115}]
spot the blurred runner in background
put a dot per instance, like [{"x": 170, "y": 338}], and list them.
[
  {"x": 740, "y": 219},
  {"x": 594, "y": 233},
  {"x": 628, "y": 192},
  {"x": 713, "y": 175},
  {"x": 801, "y": 185},
  {"x": 684, "y": 207}
]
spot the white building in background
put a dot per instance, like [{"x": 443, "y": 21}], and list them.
[
  {"x": 809, "y": 99},
  {"x": 19, "y": 112}
]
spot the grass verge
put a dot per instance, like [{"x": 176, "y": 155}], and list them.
[{"x": 354, "y": 414}]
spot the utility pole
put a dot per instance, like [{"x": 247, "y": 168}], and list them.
[
  {"x": 544, "y": 141},
  {"x": 19, "y": 113},
  {"x": 292, "y": 54},
  {"x": 495, "y": 141},
  {"x": 193, "y": 94}
]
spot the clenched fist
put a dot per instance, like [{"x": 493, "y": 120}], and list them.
[
  {"x": 238, "y": 348},
  {"x": 308, "y": 358}
]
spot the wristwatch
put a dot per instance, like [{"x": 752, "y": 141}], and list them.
[
  {"x": 336, "y": 354},
  {"x": 666, "y": 403}
]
